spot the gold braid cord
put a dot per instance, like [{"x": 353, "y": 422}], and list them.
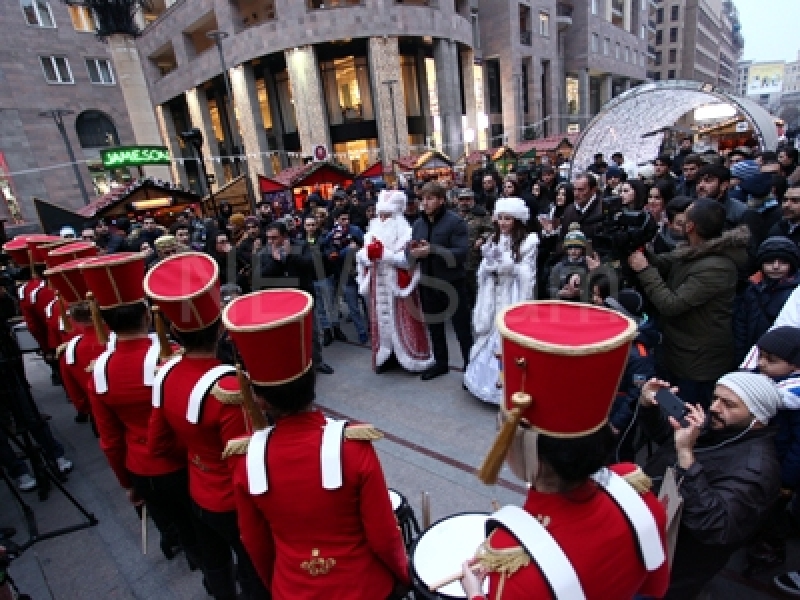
[
  {"x": 639, "y": 481},
  {"x": 238, "y": 446},
  {"x": 60, "y": 349},
  {"x": 226, "y": 396},
  {"x": 364, "y": 432},
  {"x": 506, "y": 562}
]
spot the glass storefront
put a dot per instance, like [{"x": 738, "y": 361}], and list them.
[
  {"x": 408, "y": 69},
  {"x": 347, "y": 90},
  {"x": 357, "y": 155},
  {"x": 286, "y": 102}
]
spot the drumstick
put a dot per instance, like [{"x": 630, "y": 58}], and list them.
[
  {"x": 426, "y": 510},
  {"x": 475, "y": 566},
  {"x": 144, "y": 529}
]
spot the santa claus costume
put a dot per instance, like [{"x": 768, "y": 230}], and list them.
[
  {"x": 506, "y": 275},
  {"x": 390, "y": 289}
]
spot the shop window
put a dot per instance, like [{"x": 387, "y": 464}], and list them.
[
  {"x": 286, "y": 102},
  {"x": 573, "y": 96},
  {"x": 38, "y": 13},
  {"x": 356, "y": 155},
  {"x": 100, "y": 71},
  {"x": 347, "y": 90},
  {"x": 56, "y": 69},
  {"x": 408, "y": 71},
  {"x": 82, "y": 18},
  {"x": 263, "y": 103}
]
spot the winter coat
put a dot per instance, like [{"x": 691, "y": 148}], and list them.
[
  {"x": 782, "y": 228},
  {"x": 692, "y": 288},
  {"x": 337, "y": 251},
  {"x": 726, "y": 494},
  {"x": 641, "y": 367},
  {"x": 593, "y": 214},
  {"x": 295, "y": 270},
  {"x": 758, "y": 310},
  {"x": 447, "y": 235},
  {"x": 560, "y": 274},
  {"x": 479, "y": 225}
]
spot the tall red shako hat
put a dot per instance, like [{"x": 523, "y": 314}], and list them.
[
  {"x": 115, "y": 279},
  {"x": 186, "y": 289},
  {"x": 68, "y": 280},
  {"x": 17, "y": 248},
  {"x": 562, "y": 364},
  {"x": 40, "y": 247},
  {"x": 68, "y": 252},
  {"x": 272, "y": 330}
]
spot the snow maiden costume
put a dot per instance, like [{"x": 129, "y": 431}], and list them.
[
  {"x": 390, "y": 289},
  {"x": 503, "y": 279}
]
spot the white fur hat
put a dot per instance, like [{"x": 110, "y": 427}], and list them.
[
  {"x": 391, "y": 201},
  {"x": 514, "y": 207}
]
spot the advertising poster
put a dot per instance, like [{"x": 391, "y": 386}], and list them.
[{"x": 765, "y": 78}]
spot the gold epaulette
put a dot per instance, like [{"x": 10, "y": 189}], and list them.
[
  {"x": 362, "y": 431},
  {"x": 226, "y": 396},
  {"x": 507, "y": 561},
  {"x": 237, "y": 446},
  {"x": 60, "y": 349},
  {"x": 638, "y": 480}
]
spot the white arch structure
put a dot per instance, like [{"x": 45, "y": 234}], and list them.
[{"x": 621, "y": 123}]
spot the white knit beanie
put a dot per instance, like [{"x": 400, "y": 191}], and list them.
[{"x": 757, "y": 391}]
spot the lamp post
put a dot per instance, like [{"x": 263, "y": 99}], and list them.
[
  {"x": 218, "y": 36},
  {"x": 389, "y": 83},
  {"x": 194, "y": 138},
  {"x": 58, "y": 114}
]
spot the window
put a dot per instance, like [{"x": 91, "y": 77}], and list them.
[
  {"x": 82, "y": 18},
  {"x": 100, "y": 71},
  {"x": 594, "y": 6},
  {"x": 671, "y": 74},
  {"x": 544, "y": 24},
  {"x": 675, "y": 12},
  {"x": 348, "y": 91},
  {"x": 627, "y": 54},
  {"x": 617, "y": 50},
  {"x": 595, "y": 43},
  {"x": 641, "y": 60},
  {"x": 636, "y": 57},
  {"x": 673, "y": 34},
  {"x": 317, "y": 4},
  {"x": 673, "y": 56},
  {"x": 644, "y": 32},
  {"x": 657, "y": 60},
  {"x": 56, "y": 69},
  {"x": 493, "y": 86},
  {"x": 37, "y": 12},
  {"x": 660, "y": 16},
  {"x": 659, "y": 37},
  {"x": 606, "y": 46}
]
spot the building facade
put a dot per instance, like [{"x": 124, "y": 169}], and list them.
[
  {"x": 366, "y": 80},
  {"x": 698, "y": 40}
]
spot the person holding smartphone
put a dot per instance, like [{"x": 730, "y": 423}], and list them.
[{"x": 725, "y": 465}]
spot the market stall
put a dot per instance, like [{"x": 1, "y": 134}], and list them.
[
  {"x": 433, "y": 165},
  {"x": 546, "y": 151},
  {"x": 504, "y": 160},
  {"x": 320, "y": 177},
  {"x": 276, "y": 194}
]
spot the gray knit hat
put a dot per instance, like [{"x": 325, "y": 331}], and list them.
[{"x": 758, "y": 392}]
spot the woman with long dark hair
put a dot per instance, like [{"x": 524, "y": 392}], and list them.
[{"x": 507, "y": 274}]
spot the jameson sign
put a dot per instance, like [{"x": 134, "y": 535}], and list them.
[{"x": 134, "y": 156}]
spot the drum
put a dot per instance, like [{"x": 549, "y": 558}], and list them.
[
  {"x": 406, "y": 519},
  {"x": 25, "y": 340},
  {"x": 441, "y": 550}
]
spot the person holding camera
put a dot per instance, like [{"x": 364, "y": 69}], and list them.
[{"x": 725, "y": 465}]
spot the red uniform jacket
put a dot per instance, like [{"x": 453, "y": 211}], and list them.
[
  {"x": 122, "y": 414},
  {"x": 29, "y": 293},
  {"x": 80, "y": 350},
  {"x": 55, "y": 330},
  {"x": 43, "y": 297},
  {"x": 221, "y": 419},
  {"x": 307, "y": 542},
  {"x": 595, "y": 535}
]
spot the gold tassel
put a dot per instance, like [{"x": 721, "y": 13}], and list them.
[
  {"x": 497, "y": 454},
  {"x": 238, "y": 446},
  {"x": 363, "y": 432},
  {"x": 165, "y": 349},
  {"x": 97, "y": 320},
  {"x": 60, "y": 349},
  {"x": 64, "y": 314},
  {"x": 639, "y": 481},
  {"x": 257, "y": 418},
  {"x": 507, "y": 561},
  {"x": 226, "y": 396}
]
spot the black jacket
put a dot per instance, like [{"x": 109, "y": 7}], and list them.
[
  {"x": 447, "y": 235},
  {"x": 295, "y": 270},
  {"x": 781, "y": 228},
  {"x": 590, "y": 220},
  {"x": 726, "y": 493}
]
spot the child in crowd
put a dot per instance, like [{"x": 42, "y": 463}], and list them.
[{"x": 568, "y": 277}]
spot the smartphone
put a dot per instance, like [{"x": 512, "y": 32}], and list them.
[{"x": 672, "y": 406}]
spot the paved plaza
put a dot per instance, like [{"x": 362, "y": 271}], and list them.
[{"x": 436, "y": 435}]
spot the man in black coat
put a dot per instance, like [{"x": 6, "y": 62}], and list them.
[
  {"x": 789, "y": 225},
  {"x": 287, "y": 263},
  {"x": 439, "y": 242},
  {"x": 587, "y": 211}
]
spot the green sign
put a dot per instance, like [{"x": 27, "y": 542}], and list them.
[{"x": 134, "y": 156}]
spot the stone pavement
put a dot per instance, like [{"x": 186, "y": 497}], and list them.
[{"x": 436, "y": 436}]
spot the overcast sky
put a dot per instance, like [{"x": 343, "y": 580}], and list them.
[{"x": 770, "y": 29}]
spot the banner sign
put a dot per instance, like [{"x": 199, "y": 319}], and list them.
[{"x": 134, "y": 156}]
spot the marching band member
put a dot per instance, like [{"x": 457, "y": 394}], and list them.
[
  {"x": 313, "y": 505},
  {"x": 197, "y": 406},
  {"x": 120, "y": 395},
  {"x": 585, "y": 532}
]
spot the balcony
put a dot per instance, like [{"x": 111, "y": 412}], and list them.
[
  {"x": 526, "y": 38},
  {"x": 563, "y": 16}
]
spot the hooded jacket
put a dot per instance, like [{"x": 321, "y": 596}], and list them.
[{"x": 692, "y": 288}]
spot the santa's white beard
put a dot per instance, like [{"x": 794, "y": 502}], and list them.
[{"x": 393, "y": 233}]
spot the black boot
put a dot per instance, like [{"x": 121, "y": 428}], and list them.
[
  {"x": 193, "y": 557},
  {"x": 338, "y": 334},
  {"x": 220, "y": 583},
  {"x": 170, "y": 542},
  {"x": 251, "y": 585},
  {"x": 327, "y": 337}
]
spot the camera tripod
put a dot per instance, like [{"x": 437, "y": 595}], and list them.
[{"x": 14, "y": 388}]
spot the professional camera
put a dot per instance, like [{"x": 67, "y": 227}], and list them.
[{"x": 622, "y": 231}]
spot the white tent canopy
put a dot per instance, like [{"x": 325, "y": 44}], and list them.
[{"x": 621, "y": 123}]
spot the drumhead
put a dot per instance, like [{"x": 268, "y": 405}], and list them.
[
  {"x": 442, "y": 549},
  {"x": 396, "y": 498}
]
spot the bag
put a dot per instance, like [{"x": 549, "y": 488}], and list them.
[{"x": 672, "y": 500}]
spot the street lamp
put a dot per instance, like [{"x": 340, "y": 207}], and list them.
[
  {"x": 58, "y": 114},
  {"x": 218, "y": 36},
  {"x": 194, "y": 138},
  {"x": 390, "y": 84}
]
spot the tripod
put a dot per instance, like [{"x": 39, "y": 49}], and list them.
[{"x": 15, "y": 390}]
